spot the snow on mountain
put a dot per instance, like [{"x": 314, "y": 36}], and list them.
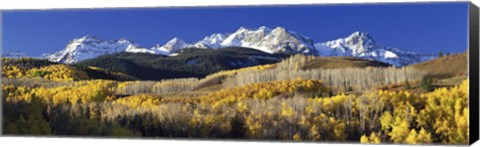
[
  {"x": 263, "y": 38},
  {"x": 283, "y": 40},
  {"x": 212, "y": 41},
  {"x": 159, "y": 49},
  {"x": 172, "y": 46},
  {"x": 13, "y": 54},
  {"x": 270, "y": 40},
  {"x": 244, "y": 37},
  {"x": 279, "y": 39},
  {"x": 89, "y": 47},
  {"x": 361, "y": 44}
]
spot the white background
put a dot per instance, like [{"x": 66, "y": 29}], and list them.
[{"x": 87, "y": 142}]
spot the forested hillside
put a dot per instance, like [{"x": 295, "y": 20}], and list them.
[
  {"x": 301, "y": 98},
  {"x": 191, "y": 62},
  {"x": 43, "y": 69}
]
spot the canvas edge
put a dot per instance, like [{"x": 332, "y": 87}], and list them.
[
  {"x": 473, "y": 64},
  {"x": 1, "y": 79}
]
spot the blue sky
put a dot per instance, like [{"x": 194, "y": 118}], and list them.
[{"x": 420, "y": 27}]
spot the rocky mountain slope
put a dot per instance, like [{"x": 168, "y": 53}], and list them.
[{"x": 277, "y": 40}]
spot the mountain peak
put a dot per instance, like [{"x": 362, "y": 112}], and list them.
[
  {"x": 276, "y": 40},
  {"x": 174, "y": 41},
  {"x": 360, "y": 36},
  {"x": 89, "y": 47},
  {"x": 212, "y": 41},
  {"x": 261, "y": 28},
  {"x": 217, "y": 35},
  {"x": 87, "y": 38},
  {"x": 280, "y": 29},
  {"x": 174, "y": 45},
  {"x": 362, "y": 45},
  {"x": 242, "y": 29},
  {"x": 360, "y": 33},
  {"x": 271, "y": 41},
  {"x": 362, "y": 42},
  {"x": 124, "y": 40},
  {"x": 264, "y": 28}
]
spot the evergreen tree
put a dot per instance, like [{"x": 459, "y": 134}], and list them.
[
  {"x": 440, "y": 54},
  {"x": 427, "y": 84}
]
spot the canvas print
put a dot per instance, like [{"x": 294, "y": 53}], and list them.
[{"x": 346, "y": 73}]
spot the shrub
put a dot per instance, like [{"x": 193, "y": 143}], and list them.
[{"x": 427, "y": 83}]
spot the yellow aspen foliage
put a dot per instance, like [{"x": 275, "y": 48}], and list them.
[
  {"x": 400, "y": 130},
  {"x": 12, "y": 72},
  {"x": 16, "y": 94},
  {"x": 373, "y": 139},
  {"x": 58, "y": 73},
  {"x": 241, "y": 107},
  {"x": 412, "y": 137},
  {"x": 229, "y": 73},
  {"x": 83, "y": 92},
  {"x": 254, "y": 128},
  {"x": 364, "y": 139},
  {"x": 303, "y": 122},
  {"x": 338, "y": 130},
  {"x": 263, "y": 94},
  {"x": 386, "y": 120},
  {"x": 313, "y": 133},
  {"x": 424, "y": 137},
  {"x": 285, "y": 109},
  {"x": 446, "y": 112},
  {"x": 138, "y": 101},
  {"x": 263, "y": 91},
  {"x": 297, "y": 137}
]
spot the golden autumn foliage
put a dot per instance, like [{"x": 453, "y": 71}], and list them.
[
  {"x": 229, "y": 73},
  {"x": 263, "y": 91},
  {"x": 446, "y": 113},
  {"x": 138, "y": 101},
  {"x": 372, "y": 139},
  {"x": 81, "y": 92},
  {"x": 292, "y": 109},
  {"x": 297, "y": 137},
  {"x": 12, "y": 72},
  {"x": 422, "y": 137},
  {"x": 57, "y": 72},
  {"x": 432, "y": 113}
]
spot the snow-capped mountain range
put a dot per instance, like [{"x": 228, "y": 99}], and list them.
[
  {"x": 88, "y": 47},
  {"x": 361, "y": 44},
  {"x": 279, "y": 39}
]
